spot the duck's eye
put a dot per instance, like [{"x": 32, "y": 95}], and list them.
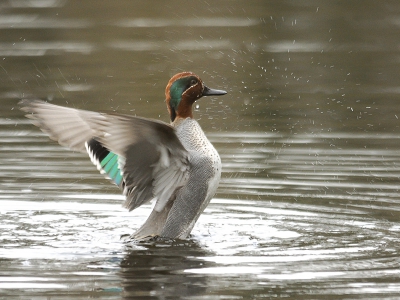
[{"x": 193, "y": 82}]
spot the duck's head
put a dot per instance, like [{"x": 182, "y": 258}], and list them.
[{"x": 182, "y": 90}]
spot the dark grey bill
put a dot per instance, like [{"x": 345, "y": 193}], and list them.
[{"x": 211, "y": 92}]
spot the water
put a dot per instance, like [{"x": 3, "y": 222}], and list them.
[{"x": 308, "y": 205}]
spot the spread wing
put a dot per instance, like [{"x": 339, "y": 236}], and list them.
[
  {"x": 70, "y": 127},
  {"x": 143, "y": 157}
]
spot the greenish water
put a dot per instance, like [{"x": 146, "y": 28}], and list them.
[{"x": 308, "y": 206}]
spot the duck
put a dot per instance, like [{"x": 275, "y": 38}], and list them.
[{"x": 173, "y": 165}]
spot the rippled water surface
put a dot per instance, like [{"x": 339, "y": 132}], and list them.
[{"x": 308, "y": 206}]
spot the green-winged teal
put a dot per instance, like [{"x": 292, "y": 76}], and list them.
[{"x": 148, "y": 159}]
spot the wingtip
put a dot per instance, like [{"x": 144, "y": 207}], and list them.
[
  {"x": 28, "y": 101},
  {"x": 27, "y": 104}
]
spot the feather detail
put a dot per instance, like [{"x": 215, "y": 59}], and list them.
[{"x": 108, "y": 163}]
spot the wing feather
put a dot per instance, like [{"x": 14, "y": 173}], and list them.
[
  {"x": 69, "y": 127},
  {"x": 146, "y": 159}
]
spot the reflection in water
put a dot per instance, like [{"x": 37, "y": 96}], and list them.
[
  {"x": 35, "y": 22},
  {"x": 44, "y": 48},
  {"x": 160, "y": 270},
  {"x": 291, "y": 221},
  {"x": 199, "y": 22},
  {"x": 308, "y": 206},
  {"x": 188, "y": 45}
]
